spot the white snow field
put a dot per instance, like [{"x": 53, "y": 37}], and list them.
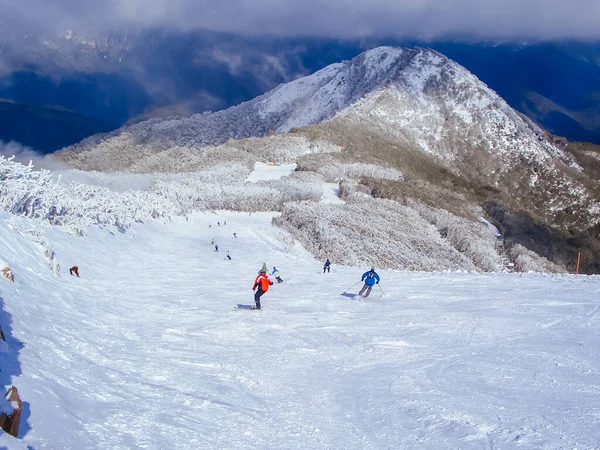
[{"x": 145, "y": 350}]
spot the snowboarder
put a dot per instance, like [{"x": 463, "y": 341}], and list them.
[
  {"x": 74, "y": 270},
  {"x": 261, "y": 282},
  {"x": 228, "y": 256},
  {"x": 327, "y": 265},
  {"x": 370, "y": 278},
  {"x": 276, "y": 274},
  {"x": 216, "y": 247}
]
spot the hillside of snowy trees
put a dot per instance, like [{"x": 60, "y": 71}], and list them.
[{"x": 358, "y": 229}]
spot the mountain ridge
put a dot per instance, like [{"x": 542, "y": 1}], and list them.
[
  {"x": 125, "y": 74},
  {"x": 302, "y": 102}
]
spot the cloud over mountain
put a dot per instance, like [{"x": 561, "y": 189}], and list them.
[{"x": 538, "y": 19}]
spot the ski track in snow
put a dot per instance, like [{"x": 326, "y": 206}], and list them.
[{"x": 146, "y": 351}]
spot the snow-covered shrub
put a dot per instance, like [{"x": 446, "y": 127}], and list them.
[
  {"x": 371, "y": 232},
  {"x": 192, "y": 193},
  {"x": 333, "y": 169},
  {"x": 298, "y": 186},
  {"x": 120, "y": 152},
  {"x": 73, "y": 206},
  {"x": 529, "y": 261},
  {"x": 470, "y": 237}
]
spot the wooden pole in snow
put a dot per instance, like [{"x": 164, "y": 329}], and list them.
[{"x": 578, "y": 261}]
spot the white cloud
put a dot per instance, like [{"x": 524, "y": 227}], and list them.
[{"x": 542, "y": 19}]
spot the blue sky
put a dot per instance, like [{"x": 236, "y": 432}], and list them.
[{"x": 487, "y": 19}]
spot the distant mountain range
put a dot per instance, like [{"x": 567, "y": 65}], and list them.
[{"x": 130, "y": 75}]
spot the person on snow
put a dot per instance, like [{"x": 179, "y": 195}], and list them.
[
  {"x": 228, "y": 256},
  {"x": 275, "y": 273},
  {"x": 74, "y": 270},
  {"x": 216, "y": 247},
  {"x": 370, "y": 278},
  {"x": 235, "y": 235},
  {"x": 327, "y": 265},
  {"x": 261, "y": 285}
]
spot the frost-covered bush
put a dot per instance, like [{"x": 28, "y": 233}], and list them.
[
  {"x": 121, "y": 153},
  {"x": 193, "y": 192},
  {"x": 194, "y": 195},
  {"x": 73, "y": 206},
  {"x": 529, "y": 261},
  {"x": 298, "y": 186},
  {"x": 334, "y": 169},
  {"x": 383, "y": 233},
  {"x": 471, "y": 238}
]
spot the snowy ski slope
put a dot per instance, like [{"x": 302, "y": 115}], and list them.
[{"x": 145, "y": 350}]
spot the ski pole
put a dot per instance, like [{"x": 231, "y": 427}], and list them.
[
  {"x": 382, "y": 294},
  {"x": 345, "y": 290}
]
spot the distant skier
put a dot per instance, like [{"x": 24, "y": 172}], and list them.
[
  {"x": 370, "y": 278},
  {"x": 261, "y": 282},
  {"x": 327, "y": 266},
  {"x": 276, "y": 274},
  {"x": 216, "y": 247},
  {"x": 74, "y": 270},
  {"x": 212, "y": 241},
  {"x": 228, "y": 256},
  {"x": 219, "y": 223},
  {"x": 235, "y": 235}
]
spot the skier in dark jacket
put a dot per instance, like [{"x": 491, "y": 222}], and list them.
[
  {"x": 370, "y": 278},
  {"x": 326, "y": 266}
]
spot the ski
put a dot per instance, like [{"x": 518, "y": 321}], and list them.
[{"x": 247, "y": 307}]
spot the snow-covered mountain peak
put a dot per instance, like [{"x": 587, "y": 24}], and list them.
[
  {"x": 320, "y": 96},
  {"x": 432, "y": 102}
]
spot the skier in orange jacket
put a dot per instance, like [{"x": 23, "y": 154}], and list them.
[{"x": 262, "y": 282}]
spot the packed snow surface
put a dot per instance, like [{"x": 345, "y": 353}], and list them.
[
  {"x": 146, "y": 351},
  {"x": 265, "y": 171}
]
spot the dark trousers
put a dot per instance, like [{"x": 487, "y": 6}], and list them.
[
  {"x": 279, "y": 280},
  {"x": 257, "y": 295},
  {"x": 367, "y": 288},
  {"x": 325, "y": 269}
]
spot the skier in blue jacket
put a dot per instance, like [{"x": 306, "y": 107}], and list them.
[{"x": 370, "y": 278}]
